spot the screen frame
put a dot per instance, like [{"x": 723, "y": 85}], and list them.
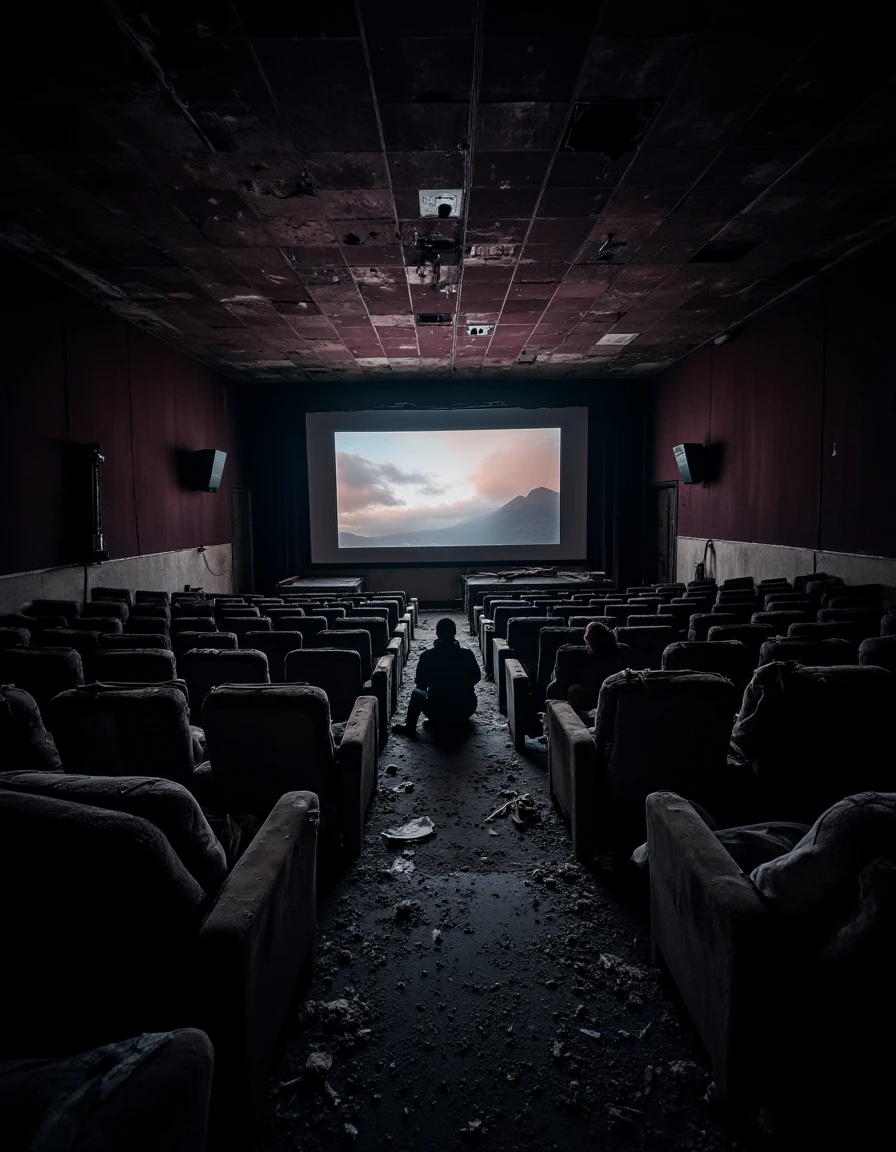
[{"x": 320, "y": 430}]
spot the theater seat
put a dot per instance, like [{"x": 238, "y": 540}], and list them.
[
  {"x": 809, "y": 736},
  {"x": 729, "y": 658},
  {"x": 242, "y": 627},
  {"x": 185, "y": 642},
  {"x": 266, "y": 740},
  {"x": 102, "y": 593},
  {"x": 205, "y": 668},
  {"x": 357, "y": 640},
  {"x": 522, "y": 645},
  {"x": 14, "y": 637},
  {"x": 131, "y": 666},
  {"x": 70, "y": 609},
  {"x": 337, "y": 671},
  {"x": 879, "y": 651},
  {"x": 646, "y": 645},
  {"x": 276, "y": 646},
  {"x": 41, "y": 672},
  {"x": 815, "y": 653},
  {"x": 106, "y": 890},
  {"x": 151, "y": 596},
  {"x": 376, "y": 626},
  {"x": 84, "y": 643},
  {"x": 526, "y": 686},
  {"x": 131, "y": 640},
  {"x": 644, "y": 733},
  {"x": 753, "y": 636},
  {"x": 115, "y": 730},
  {"x": 25, "y": 743},
  {"x": 701, "y": 622}
]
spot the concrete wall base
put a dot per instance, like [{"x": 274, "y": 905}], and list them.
[
  {"x": 729, "y": 558},
  {"x": 165, "y": 571}
]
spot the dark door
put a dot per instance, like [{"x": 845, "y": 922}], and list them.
[
  {"x": 241, "y": 523},
  {"x": 666, "y": 502}
]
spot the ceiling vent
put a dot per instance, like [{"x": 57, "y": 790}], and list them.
[
  {"x": 426, "y": 318},
  {"x": 442, "y": 203},
  {"x": 723, "y": 251},
  {"x": 479, "y": 329},
  {"x": 611, "y": 128}
]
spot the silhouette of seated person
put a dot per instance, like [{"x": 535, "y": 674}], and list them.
[
  {"x": 446, "y": 676},
  {"x": 604, "y": 657}
]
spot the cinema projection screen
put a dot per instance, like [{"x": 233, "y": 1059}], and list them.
[{"x": 466, "y": 486}]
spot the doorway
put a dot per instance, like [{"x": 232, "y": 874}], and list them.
[
  {"x": 666, "y": 531},
  {"x": 243, "y": 547}
]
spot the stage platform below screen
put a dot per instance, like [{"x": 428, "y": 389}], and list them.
[
  {"x": 338, "y": 585},
  {"x": 476, "y": 586}
]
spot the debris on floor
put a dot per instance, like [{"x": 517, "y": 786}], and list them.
[
  {"x": 521, "y": 808},
  {"x": 417, "y": 829}
]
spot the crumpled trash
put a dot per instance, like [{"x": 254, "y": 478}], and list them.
[
  {"x": 417, "y": 829},
  {"x": 404, "y": 787},
  {"x": 400, "y": 866},
  {"x": 521, "y": 808},
  {"x": 319, "y": 1063}
]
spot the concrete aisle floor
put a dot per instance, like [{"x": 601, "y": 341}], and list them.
[{"x": 535, "y": 1020}]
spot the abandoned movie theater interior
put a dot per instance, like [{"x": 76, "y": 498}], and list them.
[{"x": 447, "y": 577}]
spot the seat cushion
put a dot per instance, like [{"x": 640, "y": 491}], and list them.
[{"x": 165, "y": 804}]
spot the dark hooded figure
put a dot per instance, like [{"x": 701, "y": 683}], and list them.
[{"x": 445, "y": 678}]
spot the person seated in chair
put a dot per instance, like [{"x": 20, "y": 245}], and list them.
[
  {"x": 603, "y": 660},
  {"x": 445, "y": 678}
]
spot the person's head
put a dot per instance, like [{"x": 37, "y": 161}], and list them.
[
  {"x": 599, "y": 639},
  {"x": 446, "y": 630}
]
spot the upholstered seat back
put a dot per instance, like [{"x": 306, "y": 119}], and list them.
[
  {"x": 266, "y": 740},
  {"x": 550, "y": 640},
  {"x": 661, "y": 730},
  {"x": 204, "y": 668},
  {"x": 647, "y": 644},
  {"x": 879, "y": 651},
  {"x": 729, "y": 658},
  {"x": 185, "y": 642},
  {"x": 816, "y": 653},
  {"x": 354, "y": 639},
  {"x": 522, "y": 639},
  {"x": 753, "y": 636},
  {"x": 131, "y": 665},
  {"x": 812, "y": 735},
  {"x": 376, "y": 627},
  {"x": 84, "y": 643},
  {"x": 336, "y": 671},
  {"x": 119, "y": 731},
  {"x": 276, "y": 646},
  {"x": 502, "y": 614},
  {"x": 41, "y": 672},
  {"x": 104, "y": 916}
]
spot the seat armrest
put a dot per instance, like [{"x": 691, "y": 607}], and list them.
[
  {"x": 495, "y": 666},
  {"x": 484, "y": 631},
  {"x": 489, "y": 654},
  {"x": 381, "y": 688},
  {"x": 474, "y": 619},
  {"x": 402, "y": 631},
  {"x": 719, "y": 943},
  {"x": 574, "y": 775},
  {"x": 518, "y": 691},
  {"x": 502, "y": 653},
  {"x": 408, "y": 619},
  {"x": 393, "y": 649},
  {"x": 357, "y": 767},
  {"x": 250, "y": 952}
]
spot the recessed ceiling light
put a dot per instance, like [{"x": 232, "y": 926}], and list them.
[{"x": 619, "y": 338}]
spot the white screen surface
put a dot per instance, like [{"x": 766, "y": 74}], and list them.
[{"x": 387, "y": 487}]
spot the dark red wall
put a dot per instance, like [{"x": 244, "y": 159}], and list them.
[
  {"x": 812, "y": 373},
  {"x": 73, "y": 374}
]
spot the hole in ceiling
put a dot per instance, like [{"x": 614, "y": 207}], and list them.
[
  {"x": 351, "y": 238},
  {"x": 280, "y": 189},
  {"x": 723, "y": 251},
  {"x": 434, "y": 318},
  {"x": 611, "y": 128}
]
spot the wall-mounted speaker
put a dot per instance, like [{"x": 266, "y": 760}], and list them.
[
  {"x": 208, "y": 466},
  {"x": 690, "y": 459}
]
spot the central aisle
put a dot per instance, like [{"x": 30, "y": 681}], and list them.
[{"x": 489, "y": 1034}]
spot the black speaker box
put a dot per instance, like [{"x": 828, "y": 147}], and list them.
[
  {"x": 690, "y": 459},
  {"x": 208, "y": 465}
]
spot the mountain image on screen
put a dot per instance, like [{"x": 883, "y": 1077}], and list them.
[{"x": 533, "y": 518}]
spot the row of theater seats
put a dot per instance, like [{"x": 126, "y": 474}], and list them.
[
  {"x": 356, "y": 647},
  {"x": 172, "y": 865},
  {"x": 787, "y": 746}
]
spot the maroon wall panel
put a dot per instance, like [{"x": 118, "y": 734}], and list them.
[
  {"x": 153, "y": 379},
  {"x": 812, "y": 371},
  {"x": 33, "y": 431},
  {"x": 76, "y": 374},
  {"x": 99, "y": 392}
]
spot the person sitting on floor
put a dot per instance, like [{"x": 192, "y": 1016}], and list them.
[
  {"x": 603, "y": 659},
  {"x": 445, "y": 678}
]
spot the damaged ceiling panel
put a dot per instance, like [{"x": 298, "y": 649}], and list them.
[{"x": 622, "y": 183}]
